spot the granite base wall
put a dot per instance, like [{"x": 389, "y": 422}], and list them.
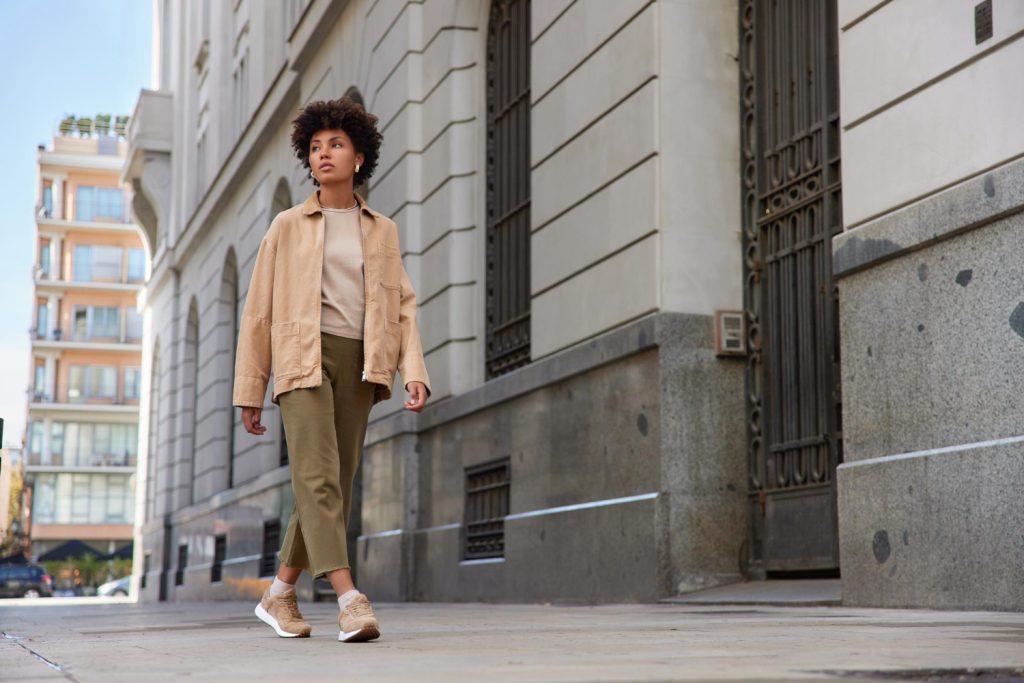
[{"x": 932, "y": 334}]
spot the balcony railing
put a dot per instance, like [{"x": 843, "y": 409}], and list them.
[{"x": 93, "y": 460}]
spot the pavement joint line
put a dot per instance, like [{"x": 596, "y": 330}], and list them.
[{"x": 53, "y": 665}]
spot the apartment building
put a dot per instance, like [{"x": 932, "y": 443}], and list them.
[{"x": 83, "y": 402}]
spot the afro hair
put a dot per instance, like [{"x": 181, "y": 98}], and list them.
[{"x": 345, "y": 114}]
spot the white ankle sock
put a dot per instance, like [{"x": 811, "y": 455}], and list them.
[
  {"x": 279, "y": 587},
  {"x": 345, "y": 597}
]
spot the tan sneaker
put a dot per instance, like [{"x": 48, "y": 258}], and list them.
[
  {"x": 357, "y": 621},
  {"x": 282, "y": 613}
]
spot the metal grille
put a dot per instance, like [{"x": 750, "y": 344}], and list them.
[
  {"x": 220, "y": 548},
  {"x": 487, "y": 492},
  {"x": 508, "y": 187},
  {"x": 179, "y": 575},
  {"x": 271, "y": 544},
  {"x": 791, "y": 210}
]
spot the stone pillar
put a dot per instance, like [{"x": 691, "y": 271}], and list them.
[
  {"x": 51, "y": 378},
  {"x": 52, "y": 313},
  {"x": 56, "y": 266}
]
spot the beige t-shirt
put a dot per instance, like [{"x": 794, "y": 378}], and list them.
[{"x": 341, "y": 291}]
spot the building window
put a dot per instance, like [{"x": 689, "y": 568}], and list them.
[
  {"x": 220, "y": 549},
  {"x": 136, "y": 265},
  {"x": 91, "y": 381},
  {"x": 47, "y": 200},
  {"x": 271, "y": 544},
  {"x": 99, "y": 203},
  {"x": 97, "y": 263},
  {"x": 71, "y": 498},
  {"x": 132, "y": 383},
  {"x": 487, "y": 497},
  {"x": 35, "y": 438},
  {"x": 94, "y": 444},
  {"x": 508, "y": 188},
  {"x": 41, "y": 320},
  {"x": 95, "y": 323},
  {"x": 133, "y": 325},
  {"x": 179, "y": 576},
  {"x": 39, "y": 388},
  {"x": 44, "y": 258}
]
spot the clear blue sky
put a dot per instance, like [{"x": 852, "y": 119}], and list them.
[{"x": 57, "y": 57}]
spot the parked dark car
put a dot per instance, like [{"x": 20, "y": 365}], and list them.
[{"x": 25, "y": 581}]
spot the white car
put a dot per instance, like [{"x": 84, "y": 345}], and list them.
[{"x": 118, "y": 587}]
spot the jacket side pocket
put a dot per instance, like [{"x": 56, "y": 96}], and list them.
[
  {"x": 284, "y": 340},
  {"x": 392, "y": 305}
]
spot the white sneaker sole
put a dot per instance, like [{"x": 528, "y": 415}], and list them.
[
  {"x": 358, "y": 636},
  {"x": 265, "y": 617}
]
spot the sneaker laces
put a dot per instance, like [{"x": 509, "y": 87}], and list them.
[
  {"x": 360, "y": 608},
  {"x": 291, "y": 606}
]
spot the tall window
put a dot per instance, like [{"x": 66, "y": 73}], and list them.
[
  {"x": 132, "y": 382},
  {"x": 99, "y": 203},
  {"x": 154, "y": 432},
  {"x": 48, "y": 199},
  {"x": 41, "y": 320},
  {"x": 136, "y": 265},
  {"x": 44, "y": 257},
  {"x": 40, "y": 381},
  {"x": 508, "y": 187},
  {"x": 133, "y": 325},
  {"x": 97, "y": 263}
]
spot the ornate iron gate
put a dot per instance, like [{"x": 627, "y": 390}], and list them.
[
  {"x": 791, "y": 210},
  {"x": 508, "y": 187}
]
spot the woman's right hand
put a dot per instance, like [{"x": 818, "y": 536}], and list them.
[{"x": 251, "y": 420}]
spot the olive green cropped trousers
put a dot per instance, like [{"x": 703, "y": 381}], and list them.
[{"x": 325, "y": 427}]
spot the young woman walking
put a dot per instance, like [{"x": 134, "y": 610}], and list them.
[{"x": 330, "y": 308}]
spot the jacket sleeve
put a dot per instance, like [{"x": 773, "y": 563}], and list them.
[
  {"x": 410, "y": 358},
  {"x": 253, "y": 350}
]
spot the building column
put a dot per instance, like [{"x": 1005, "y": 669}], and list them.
[
  {"x": 56, "y": 267},
  {"x": 58, "y": 196},
  {"x": 51, "y": 378},
  {"x": 52, "y": 311}
]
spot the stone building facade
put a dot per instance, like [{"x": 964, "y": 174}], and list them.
[{"x": 619, "y": 218}]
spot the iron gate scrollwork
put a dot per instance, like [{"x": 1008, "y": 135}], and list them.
[{"x": 791, "y": 210}]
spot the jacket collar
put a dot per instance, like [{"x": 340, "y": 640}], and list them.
[{"x": 312, "y": 205}]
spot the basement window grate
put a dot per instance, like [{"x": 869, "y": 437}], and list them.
[
  {"x": 271, "y": 544},
  {"x": 220, "y": 547},
  {"x": 179, "y": 575},
  {"x": 487, "y": 497}
]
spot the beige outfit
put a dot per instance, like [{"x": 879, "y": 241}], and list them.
[
  {"x": 341, "y": 287},
  {"x": 280, "y": 324}
]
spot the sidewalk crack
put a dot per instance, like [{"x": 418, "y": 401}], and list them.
[{"x": 53, "y": 665}]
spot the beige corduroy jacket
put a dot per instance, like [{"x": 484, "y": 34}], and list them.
[{"x": 280, "y": 326}]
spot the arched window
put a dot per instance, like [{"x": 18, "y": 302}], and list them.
[
  {"x": 281, "y": 201},
  {"x": 229, "y": 322},
  {"x": 154, "y": 433},
  {"x": 508, "y": 187},
  {"x": 190, "y": 393}
]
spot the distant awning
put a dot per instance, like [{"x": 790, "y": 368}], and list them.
[{"x": 70, "y": 549}]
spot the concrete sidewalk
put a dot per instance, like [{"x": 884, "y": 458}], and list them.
[{"x": 496, "y": 643}]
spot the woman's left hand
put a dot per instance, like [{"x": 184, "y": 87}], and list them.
[{"x": 417, "y": 396}]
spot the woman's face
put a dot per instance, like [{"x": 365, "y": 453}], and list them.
[{"x": 332, "y": 157}]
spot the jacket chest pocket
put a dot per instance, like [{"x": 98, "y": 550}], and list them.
[
  {"x": 285, "y": 346},
  {"x": 392, "y": 304}
]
